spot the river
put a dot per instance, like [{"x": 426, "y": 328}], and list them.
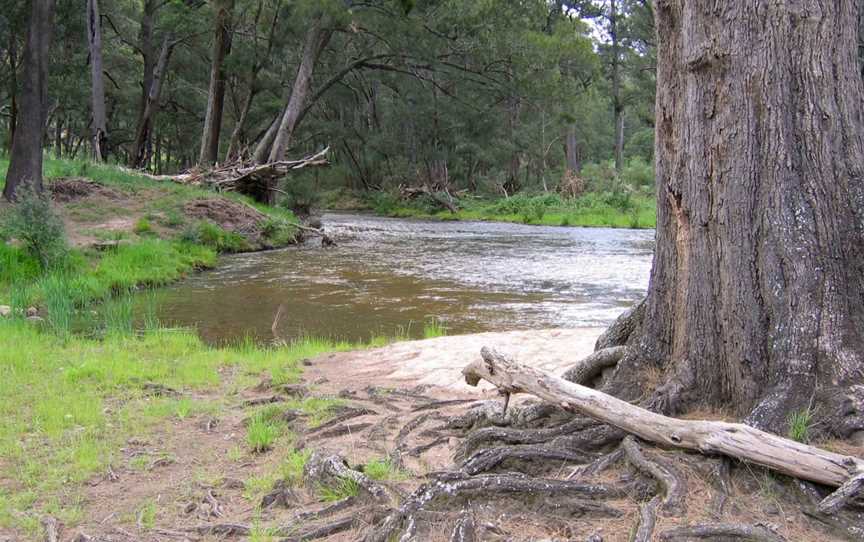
[{"x": 391, "y": 276}]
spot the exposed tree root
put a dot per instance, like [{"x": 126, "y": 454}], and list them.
[
  {"x": 407, "y": 429},
  {"x": 442, "y": 404},
  {"x": 334, "y": 508},
  {"x": 221, "y": 529},
  {"x": 598, "y": 465},
  {"x": 587, "y": 370},
  {"x": 505, "y": 435},
  {"x": 672, "y": 483},
  {"x": 526, "y": 458},
  {"x": 52, "y": 529},
  {"x": 647, "y": 520},
  {"x": 465, "y": 529},
  {"x": 327, "y": 468},
  {"x": 339, "y": 430},
  {"x": 484, "y": 414},
  {"x": 723, "y": 486},
  {"x": 713, "y": 531},
  {"x": 571, "y": 498},
  {"x": 344, "y": 415},
  {"x": 338, "y": 526},
  {"x": 622, "y": 328},
  {"x": 417, "y": 450}
]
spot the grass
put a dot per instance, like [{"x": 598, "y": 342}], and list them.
[
  {"x": 622, "y": 209},
  {"x": 383, "y": 470},
  {"x": 799, "y": 425},
  {"x": 341, "y": 489},
  {"x": 61, "y": 420},
  {"x": 264, "y": 429},
  {"x": 434, "y": 328}
]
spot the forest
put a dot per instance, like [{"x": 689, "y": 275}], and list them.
[
  {"x": 483, "y": 98},
  {"x": 445, "y": 270}
]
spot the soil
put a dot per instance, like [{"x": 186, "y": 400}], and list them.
[
  {"x": 93, "y": 212},
  {"x": 193, "y": 474}
]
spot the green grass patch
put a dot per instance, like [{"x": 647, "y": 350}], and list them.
[
  {"x": 383, "y": 470},
  {"x": 434, "y": 328},
  {"x": 341, "y": 489},
  {"x": 799, "y": 425}
]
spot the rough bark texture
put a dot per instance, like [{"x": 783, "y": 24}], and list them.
[
  {"x": 26, "y": 161},
  {"x": 97, "y": 82},
  {"x": 216, "y": 93},
  {"x": 756, "y": 296}
]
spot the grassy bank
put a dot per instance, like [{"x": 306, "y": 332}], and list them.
[
  {"x": 70, "y": 403},
  {"x": 606, "y": 209}
]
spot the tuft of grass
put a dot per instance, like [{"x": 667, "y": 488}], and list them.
[
  {"x": 434, "y": 328},
  {"x": 58, "y": 293},
  {"x": 142, "y": 226},
  {"x": 147, "y": 515},
  {"x": 342, "y": 489},
  {"x": 263, "y": 430},
  {"x": 291, "y": 469},
  {"x": 383, "y": 470},
  {"x": 799, "y": 425}
]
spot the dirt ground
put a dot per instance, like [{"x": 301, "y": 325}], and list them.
[{"x": 193, "y": 479}]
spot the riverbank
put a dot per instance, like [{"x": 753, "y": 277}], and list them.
[
  {"x": 126, "y": 231},
  {"x": 613, "y": 210}
]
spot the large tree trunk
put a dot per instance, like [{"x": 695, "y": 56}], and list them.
[
  {"x": 756, "y": 296},
  {"x": 97, "y": 92},
  {"x": 144, "y": 134},
  {"x": 216, "y": 95},
  {"x": 13, "y": 90},
  {"x": 26, "y": 161},
  {"x": 316, "y": 39}
]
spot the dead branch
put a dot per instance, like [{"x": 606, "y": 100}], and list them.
[
  {"x": 647, "y": 519},
  {"x": 731, "y": 439}
]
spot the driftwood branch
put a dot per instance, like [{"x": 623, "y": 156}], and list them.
[{"x": 710, "y": 437}]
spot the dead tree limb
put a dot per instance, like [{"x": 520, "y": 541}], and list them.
[
  {"x": 647, "y": 519},
  {"x": 732, "y": 439}
]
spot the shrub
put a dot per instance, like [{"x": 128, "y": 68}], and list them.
[
  {"x": 33, "y": 222},
  {"x": 384, "y": 203},
  {"x": 142, "y": 226}
]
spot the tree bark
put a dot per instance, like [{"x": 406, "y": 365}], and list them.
[
  {"x": 13, "y": 90},
  {"x": 756, "y": 295},
  {"x": 216, "y": 95},
  {"x": 25, "y": 164},
  {"x": 144, "y": 134},
  {"x": 571, "y": 150},
  {"x": 99, "y": 123},
  {"x": 316, "y": 39}
]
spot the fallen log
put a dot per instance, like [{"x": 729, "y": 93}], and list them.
[{"x": 710, "y": 437}]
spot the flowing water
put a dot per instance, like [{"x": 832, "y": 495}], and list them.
[{"x": 393, "y": 276}]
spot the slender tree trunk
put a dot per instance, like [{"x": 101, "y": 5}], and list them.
[
  {"x": 571, "y": 150},
  {"x": 316, "y": 39},
  {"x": 58, "y": 137},
  {"x": 144, "y": 134},
  {"x": 13, "y": 90},
  {"x": 99, "y": 123},
  {"x": 148, "y": 52},
  {"x": 617, "y": 103},
  {"x": 756, "y": 296},
  {"x": 216, "y": 95},
  {"x": 25, "y": 164}
]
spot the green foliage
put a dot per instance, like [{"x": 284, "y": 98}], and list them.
[
  {"x": 383, "y": 470},
  {"x": 799, "y": 425},
  {"x": 33, "y": 222},
  {"x": 291, "y": 468},
  {"x": 212, "y": 235},
  {"x": 142, "y": 226},
  {"x": 434, "y": 328},
  {"x": 340, "y": 489},
  {"x": 279, "y": 232}
]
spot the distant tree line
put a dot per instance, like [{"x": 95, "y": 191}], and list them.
[{"x": 463, "y": 93}]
